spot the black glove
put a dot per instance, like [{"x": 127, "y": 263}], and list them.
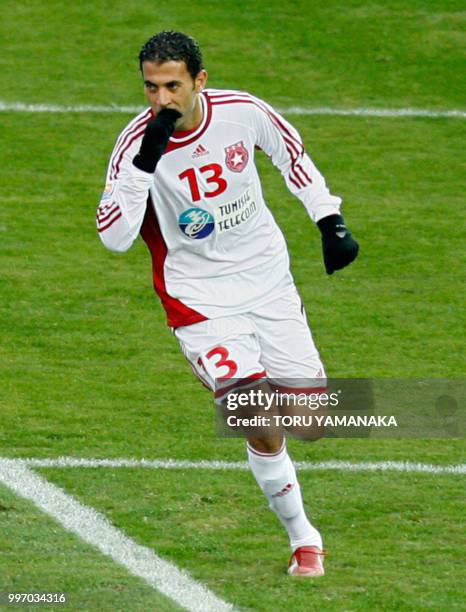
[
  {"x": 155, "y": 139},
  {"x": 338, "y": 246}
]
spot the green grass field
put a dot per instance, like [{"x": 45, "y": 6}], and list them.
[{"x": 89, "y": 369}]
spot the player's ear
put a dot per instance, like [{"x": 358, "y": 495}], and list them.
[{"x": 200, "y": 81}]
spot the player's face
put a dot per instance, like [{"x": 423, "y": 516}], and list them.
[{"x": 169, "y": 85}]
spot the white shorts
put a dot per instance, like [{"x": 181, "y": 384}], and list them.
[{"x": 274, "y": 342}]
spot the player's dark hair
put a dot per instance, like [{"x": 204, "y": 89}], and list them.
[{"x": 173, "y": 46}]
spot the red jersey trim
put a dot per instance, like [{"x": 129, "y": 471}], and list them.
[
  {"x": 179, "y": 134},
  {"x": 243, "y": 382},
  {"x": 102, "y": 228},
  {"x": 106, "y": 216},
  {"x": 190, "y": 137},
  {"x": 103, "y": 215},
  {"x": 126, "y": 139},
  {"x": 178, "y": 314}
]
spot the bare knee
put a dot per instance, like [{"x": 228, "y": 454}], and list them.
[{"x": 269, "y": 444}]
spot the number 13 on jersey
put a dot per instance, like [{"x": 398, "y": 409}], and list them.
[{"x": 213, "y": 177}]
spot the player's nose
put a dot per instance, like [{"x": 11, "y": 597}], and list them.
[{"x": 163, "y": 98}]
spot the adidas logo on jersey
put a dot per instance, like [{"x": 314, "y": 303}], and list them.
[{"x": 199, "y": 151}]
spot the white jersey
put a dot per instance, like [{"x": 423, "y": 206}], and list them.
[{"x": 216, "y": 248}]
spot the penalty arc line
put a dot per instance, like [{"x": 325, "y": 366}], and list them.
[
  {"x": 367, "y": 466},
  {"x": 21, "y": 107},
  {"x": 95, "y": 529}
]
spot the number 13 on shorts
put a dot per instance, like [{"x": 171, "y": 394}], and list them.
[
  {"x": 218, "y": 358},
  {"x": 238, "y": 358}
]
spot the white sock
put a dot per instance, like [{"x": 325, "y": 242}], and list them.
[{"x": 276, "y": 476}]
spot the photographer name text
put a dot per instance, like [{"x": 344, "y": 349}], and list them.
[{"x": 312, "y": 420}]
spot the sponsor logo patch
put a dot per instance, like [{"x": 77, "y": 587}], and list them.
[
  {"x": 236, "y": 157},
  {"x": 196, "y": 223},
  {"x": 107, "y": 194},
  {"x": 234, "y": 213}
]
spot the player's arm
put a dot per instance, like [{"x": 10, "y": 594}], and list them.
[
  {"x": 283, "y": 144},
  {"x": 130, "y": 174}
]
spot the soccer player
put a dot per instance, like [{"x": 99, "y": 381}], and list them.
[{"x": 182, "y": 176}]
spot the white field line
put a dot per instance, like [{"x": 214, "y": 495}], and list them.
[
  {"x": 95, "y": 529},
  {"x": 377, "y": 466},
  {"x": 22, "y": 107}
]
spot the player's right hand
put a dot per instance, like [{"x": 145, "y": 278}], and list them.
[{"x": 155, "y": 139}]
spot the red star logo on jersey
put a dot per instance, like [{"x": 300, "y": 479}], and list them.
[{"x": 236, "y": 157}]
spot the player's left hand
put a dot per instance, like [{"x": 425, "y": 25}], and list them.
[{"x": 338, "y": 246}]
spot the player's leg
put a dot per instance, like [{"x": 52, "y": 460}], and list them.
[
  {"x": 289, "y": 356},
  {"x": 226, "y": 350},
  {"x": 276, "y": 476}
]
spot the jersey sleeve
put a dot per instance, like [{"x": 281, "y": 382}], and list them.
[
  {"x": 282, "y": 143},
  {"x": 123, "y": 204}
]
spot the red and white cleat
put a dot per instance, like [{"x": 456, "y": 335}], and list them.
[{"x": 307, "y": 561}]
